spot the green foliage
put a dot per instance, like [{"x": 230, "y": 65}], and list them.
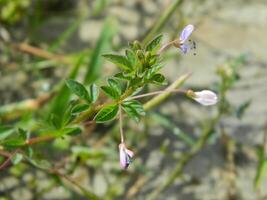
[
  {"x": 71, "y": 131},
  {"x": 78, "y": 89},
  {"x": 134, "y": 109},
  {"x": 158, "y": 79},
  {"x": 17, "y": 158},
  {"x": 107, "y": 113},
  {"x": 120, "y": 61},
  {"x": 93, "y": 92},
  {"x": 154, "y": 44},
  {"x": 6, "y": 132},
  {"x": 61, "y": 101},
  {"x": 110, "y": 92},
  {"x": 115, "y": 85},
  {"x": 23, "y": 134},
  {"x": 79, "y": 108},
  {"x": 13, "y": 142},
  {"x": 122, "y": 76}
]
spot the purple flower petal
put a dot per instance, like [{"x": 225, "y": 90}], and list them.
[
  {"x": 185, "y": 48},
  {"x": 186, "y": 33},
  {"x": 129, "y": 152},
  {"x": 125, "y": 156}
]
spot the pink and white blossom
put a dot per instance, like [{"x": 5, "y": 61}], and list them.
[
  {"x": 125, "y": 156},
  {"x": 205, "y": 97}
]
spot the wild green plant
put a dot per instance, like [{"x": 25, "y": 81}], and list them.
[{"x": 140, "y": 66}]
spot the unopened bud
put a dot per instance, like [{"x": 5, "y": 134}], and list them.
[
  {"x": 125, "y": 156},
  {"x": 204, "y": 97}
]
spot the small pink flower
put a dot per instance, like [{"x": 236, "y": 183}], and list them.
[
  {"x": 205, "y": 97},
  {"x": 125, "y": 156}
]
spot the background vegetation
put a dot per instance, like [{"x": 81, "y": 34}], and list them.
[{"x": 183, "y": 150}]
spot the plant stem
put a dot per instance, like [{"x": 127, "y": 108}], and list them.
[
  {"x": 9, "y": 157},
  {"x": 24, "y": 47},
  {"x": 165, "y": 47},
  {"x": 39, "y": 139},
  {"x": 161, "y": 97},
  {"x": 120, "y": 121},
  {"x": 162, "y": 20},
  {"x": 156, "y": 92},
  {"x": 94, "y": 109},
  {"x": 185, "y": 158}
]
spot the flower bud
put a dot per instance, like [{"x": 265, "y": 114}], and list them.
[
  {"x": 147, "y": 55},
  {"x": 125, "y": 156},
  {"x": 140, "y": 55},
  {"x": 204, "y": 97},
  {"x": 137, "y": 45}
]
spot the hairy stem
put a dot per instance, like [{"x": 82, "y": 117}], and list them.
[
  {"x": 157, "y": 92},
  {"x": 161, "y": 97},
  {"x": 120, "y": 121}
]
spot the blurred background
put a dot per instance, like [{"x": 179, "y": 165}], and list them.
[{"x": 183, "y": 150}]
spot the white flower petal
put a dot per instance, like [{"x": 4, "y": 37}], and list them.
[{"x": 206, "y": 97}]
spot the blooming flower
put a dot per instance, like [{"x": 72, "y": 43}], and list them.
[
  {"x": 125, "y": 156},
  {"x": 204, "y": 97},
  {"x": 182, "y": 42}
]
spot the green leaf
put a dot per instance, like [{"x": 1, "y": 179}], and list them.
[
  {"x": 13, "y": 142},
  {"x": 115, "y": 85},
  {"x": 131, "y": 57},
  {"x": 110, "y": 92},
  {"x": 61, "y": 101},
  {"x": 94, "y": 92},
  {"x": 122, "y": 76},
  {"x": 135, "y": 45},
  {"x": 55, "y": 121},
  {"x": 153, "y": 70},
  {"x": 24, "y": 134},
  {"x": 78, "y": 89},
  {"x": 73, "y": 131},
  {"x": 134, "y": 109},
  {"x": 6, "y": 132},
  {"x": 158, "y": 79},
  {"x": 135, "y": 82},
  {"x": 29, "y": 151},
  {"x": 154, "y": 44},
  {"x": 68, "y": 116},
  {"x": 79, "y": 108},
  {"x": 17, "y": 158},
  {"x": 107, "y": 113},
  {"x": 121, "y": 61}
]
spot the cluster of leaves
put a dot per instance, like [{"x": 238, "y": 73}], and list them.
[{"x": 138, "y": 67}]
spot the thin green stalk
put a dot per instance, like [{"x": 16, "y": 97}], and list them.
[
  {"x": 162, "y": 20},
  {"x": 161, "y": 97}
]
